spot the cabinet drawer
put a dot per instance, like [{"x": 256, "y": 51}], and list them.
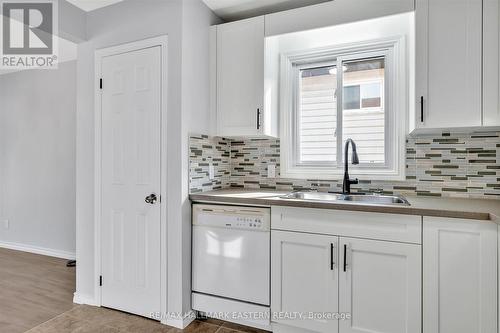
[{"x": 391, "y": 227}]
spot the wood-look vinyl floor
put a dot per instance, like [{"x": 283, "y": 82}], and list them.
[
  {"x": 33, "y": 289},
  {"x": 36, "y": 296},
  {"x": 89, "y": 319}
]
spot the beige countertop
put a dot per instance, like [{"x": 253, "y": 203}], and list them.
[{"x": 476, "y": 209}]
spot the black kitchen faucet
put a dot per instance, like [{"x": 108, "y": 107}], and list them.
[{"x": 346, "y": 185}]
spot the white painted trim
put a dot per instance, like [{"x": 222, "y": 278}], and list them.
[
  {"x": 38, "y": 250},
  {"x": 181, "y": 323},
  {"x": 213, "y": 80},
  {"x": 84, "y": 299},
  {"x": 161, "y": 41},
  {"x": 397, "y": 103}
]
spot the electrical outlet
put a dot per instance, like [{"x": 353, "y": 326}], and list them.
[
  {"x": 271, "y": 171},
  {"x": 211, "y": 171},
  {"x": 6, "y": 224}
]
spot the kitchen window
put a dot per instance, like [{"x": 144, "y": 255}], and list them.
[{"x": 369, "y": 107}]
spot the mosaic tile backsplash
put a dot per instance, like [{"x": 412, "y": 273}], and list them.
[{"x": 451, "y": 165}]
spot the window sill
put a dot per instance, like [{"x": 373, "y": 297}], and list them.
[{"x": 337, "y": 174}]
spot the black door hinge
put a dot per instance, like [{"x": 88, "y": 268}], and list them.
[
  {"x": 100, "y": 280},
  {"x": 100, "y": 84}
]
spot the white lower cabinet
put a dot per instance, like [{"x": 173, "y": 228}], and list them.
[
  {"x": 436, "y": 275},
  {"x": 377, "y": 283},
  {"x": 460, "y": 276},
  {"x": 380, "y": 286},
  {"x": 304, "y": 278}
]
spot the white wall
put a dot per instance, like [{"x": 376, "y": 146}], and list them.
[
  {"x": 37, "y": 159},
  {"x": 67, "y": 52},
  {"x": 186, "y": 23},
  {"x": 196, "y": 20}
]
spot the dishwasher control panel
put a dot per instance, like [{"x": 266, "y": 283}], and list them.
[{"x": 235, "y": 217}]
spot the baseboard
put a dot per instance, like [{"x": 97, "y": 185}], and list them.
[
  {"x": 84, "y": 299},
  {"x": 180, "y": 323},
  {"x": 38, "y": 250}
]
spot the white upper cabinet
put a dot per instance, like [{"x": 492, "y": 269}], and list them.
[
  {"x": 491, "y": 63},
  {"x": 448, "y": 63},
  {"x": 240, "y": 78},
  {"x": 459, "y": 276},
  {"x": 380, "y": 286}
]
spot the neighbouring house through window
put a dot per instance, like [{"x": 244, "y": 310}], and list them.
[
  {"x": 362, "y": 114},
  {"x": 340, "y": 93}
]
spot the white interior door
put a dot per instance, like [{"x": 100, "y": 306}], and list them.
[
  {"x": 131, "y": 151},
  {"x": 380, "y": 286}
]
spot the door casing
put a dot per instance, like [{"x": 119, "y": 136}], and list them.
[{"x": 162, "y": 42}]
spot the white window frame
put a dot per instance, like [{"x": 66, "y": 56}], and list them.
[{"x": 396, "y": 105}]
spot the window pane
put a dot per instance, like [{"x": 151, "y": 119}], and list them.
[
  {"x": 371, "y": 95},
  {"x": 366, "y": 123},
  {"x": 351, "y": 97},
  {"x": 317, "y": 114}
]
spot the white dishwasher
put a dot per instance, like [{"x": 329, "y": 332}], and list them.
[{"x": 231, "y": 262}]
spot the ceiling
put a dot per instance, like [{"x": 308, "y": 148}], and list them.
[
  {"x": 228, "y": 10},
  {"x": 231, "y": 10},
  {"x": 88, "y": 5}
]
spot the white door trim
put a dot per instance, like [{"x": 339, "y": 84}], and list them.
[{"x": 99, "y": 55}]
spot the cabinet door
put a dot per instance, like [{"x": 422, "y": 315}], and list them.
[
  {"x": 449, "y": 58},
  {"x": 304, "y": 278},
  {"x": 240, "y": 77},
  {"x": 491, "y": 65},
  {"x": 459, "y": 276},
  {"x": 380, "y": 286}
]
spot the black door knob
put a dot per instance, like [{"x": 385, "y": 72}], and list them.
[{"x": 151, "y": 199}]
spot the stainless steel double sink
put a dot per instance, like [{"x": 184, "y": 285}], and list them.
[{"x": 360, "y": 198}]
